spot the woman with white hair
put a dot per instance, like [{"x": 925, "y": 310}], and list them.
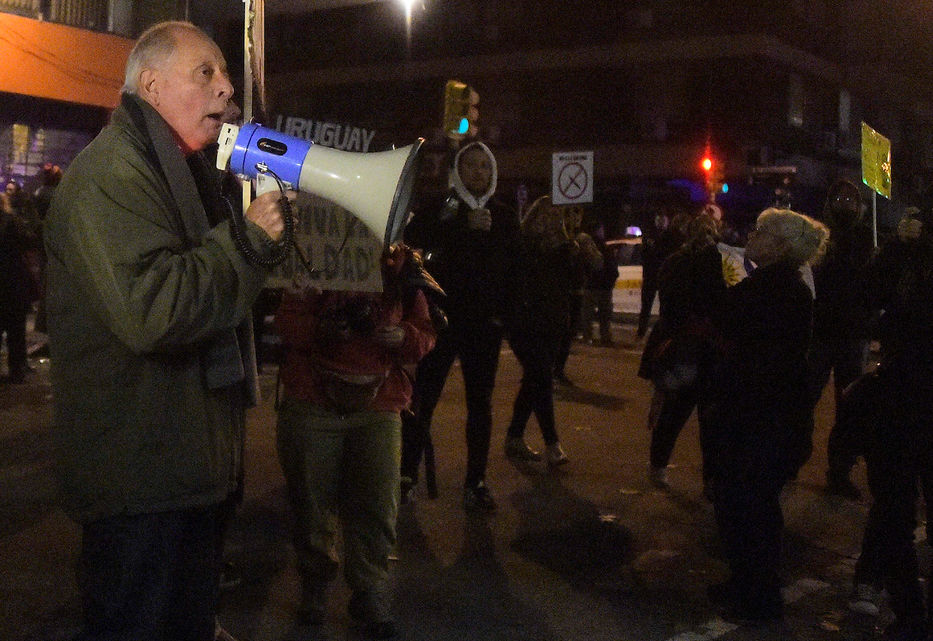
[{"x": 759, "y": 405}]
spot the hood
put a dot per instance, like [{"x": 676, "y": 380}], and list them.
[{"x": 457, "y": 185}]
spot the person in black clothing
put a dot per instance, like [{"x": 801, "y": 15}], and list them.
[
  {"x": 841, "y": 324},
  {"x": 662, "y": 240},
  {"x": 468, "y": 243},
  {"x": 16, "y": 286},
  {"x": 582, "y": 256},
  {"x": 50, "y": 176},
  {"x": 691, "y": 286},
  {"x": 538, "y": 318},
  {"x": 599, "y": 286},
  {"x": 758, "y": 399},
  {"x": 899, "y": 454}
]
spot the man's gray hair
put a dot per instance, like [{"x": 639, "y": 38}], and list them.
[{"x": 154, "y": 47}]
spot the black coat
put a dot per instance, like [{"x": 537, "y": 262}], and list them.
[
  {"x": 690, "y": 289},
  {"x": 902, "y": 287},
  {"x": 759, "y": 386},
  {"x": 843, "y": 307},
  {"x": 540, "y": 305},
  {"x": 473, "y": 267}
]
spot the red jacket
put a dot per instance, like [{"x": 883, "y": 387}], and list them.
[{"x": 314, "y": 339}]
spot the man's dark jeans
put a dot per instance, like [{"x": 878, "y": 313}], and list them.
[{"x": 152, "y": 576}]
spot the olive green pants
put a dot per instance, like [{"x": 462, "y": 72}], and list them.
[{"x": 341, "y": 469}]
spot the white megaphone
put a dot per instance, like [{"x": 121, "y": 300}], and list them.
[{"x": 374, "y": 187}]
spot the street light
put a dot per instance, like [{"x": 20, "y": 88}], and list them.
[{"x": 408, "y": 4}]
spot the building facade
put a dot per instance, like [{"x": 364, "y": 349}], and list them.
[
  {"x": 63, "y": 69},
  {"x": 776, "y": 92}
]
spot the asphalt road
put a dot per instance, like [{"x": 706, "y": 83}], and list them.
[{"x": 591, "y": 553}]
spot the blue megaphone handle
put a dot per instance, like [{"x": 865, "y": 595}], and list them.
[{"x": 282, "y": 154}]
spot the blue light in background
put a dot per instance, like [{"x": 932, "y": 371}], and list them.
[{"x": 697, "y": 191}]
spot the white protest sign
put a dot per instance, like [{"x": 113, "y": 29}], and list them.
[
  {"x": 572, "y": 177},
  {"x": 345, "y": 255}
]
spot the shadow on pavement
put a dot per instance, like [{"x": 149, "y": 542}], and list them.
[
  {"x": 471, "y": 599},
  {"x": 580, "y": 395}
]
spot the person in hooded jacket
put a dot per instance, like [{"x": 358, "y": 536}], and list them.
[
  {"x": 468, "y": 242},
  {"x": 842, "y": 315}
]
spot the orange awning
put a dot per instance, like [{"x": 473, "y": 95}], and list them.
[{"x": 53, "y": 61}]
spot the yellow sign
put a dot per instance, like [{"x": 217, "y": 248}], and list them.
[{"x": 876, "y": 161}]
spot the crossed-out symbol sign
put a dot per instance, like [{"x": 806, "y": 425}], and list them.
[
  {"x": 572, "y": 177},
  {"x": 572, "y": 180}
]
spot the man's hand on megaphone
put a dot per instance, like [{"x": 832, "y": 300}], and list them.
[{"x": 266, "y": 211}]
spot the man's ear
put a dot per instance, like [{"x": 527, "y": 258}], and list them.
[{"x": 149, "y": 86}]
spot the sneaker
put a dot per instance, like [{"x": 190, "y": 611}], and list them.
[
  {"x": 477, "y": 498},
  {"x": 220, "y": 634},
  {"x": 372, "y": 609},
  {"x": 556, "y": 455},
  {"x": 516, "y": 448},
  {"x": 407, "y": 494},
  {"x": 865, "y": 599},
  {"x": 658, "y": 477},
  {"x": 841, "y": 485},
  {"x": 229, "y": 577},
  {"x": 313, "y": 607}
]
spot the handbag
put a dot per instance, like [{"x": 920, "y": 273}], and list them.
[
  {"x": 677, "y": 359},
  {"x": 676, "y": 362},
  {"x": 348, "y": 393}
]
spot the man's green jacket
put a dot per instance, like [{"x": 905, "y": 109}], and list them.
[{"x": 145, "y": 305}]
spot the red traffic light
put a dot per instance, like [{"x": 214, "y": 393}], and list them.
[{"x": 706, "y": 164}]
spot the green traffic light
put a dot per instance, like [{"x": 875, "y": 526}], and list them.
[{"x": 464, "y": 126}]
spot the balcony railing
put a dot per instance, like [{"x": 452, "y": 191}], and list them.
[
  {"x": 122, "y": 17},
  {"x": 28, "y": 8},
  {"x": 86, "y": 14}
]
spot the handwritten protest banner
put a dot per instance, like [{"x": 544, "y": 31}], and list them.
[{"x": 345, "y": 255}]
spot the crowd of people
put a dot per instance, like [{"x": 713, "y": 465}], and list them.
[
  {"x": 149, "y": 314},
  {"x": 752, "y": 353},
  {"x": 22, "y": 265}
]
